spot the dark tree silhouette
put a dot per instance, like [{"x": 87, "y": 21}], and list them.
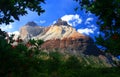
[
  {"x": 10, "y": 10},
  {"x": 108, "y": 13}
]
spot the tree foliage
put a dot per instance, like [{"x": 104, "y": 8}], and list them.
[
  {"x": 17, "y": 60},
  {"x": 108, "y": 13},
  {"x": 22, "y": 61},
  {"x": 11, "y": 10}
]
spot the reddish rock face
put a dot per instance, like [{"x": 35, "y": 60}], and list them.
[
  {"x": 62, "y": 37},
  {"x": 75, "y": 46}
]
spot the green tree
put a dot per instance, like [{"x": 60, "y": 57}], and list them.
[
  {"x": 108, "y": 13},
  {"x": 36, "y": 43},
  {"x": 73, "y": 63},
  {"x": 14, "y": 61},
  {"x": 10, "y": 10},
  {"x": 18, "y": 60}
]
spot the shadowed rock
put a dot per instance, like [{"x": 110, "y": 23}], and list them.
[
  {"x": 63, "y": 38},
  {"x": 31, "y": 29},
  {"x": 31, "y": 24},
  {"x": 61, "y": 22}
]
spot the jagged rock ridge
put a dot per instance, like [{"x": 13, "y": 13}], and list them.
[
  {"x": 30, "y": 30},
  {"x": 31, "y": 24},
  {"x": 60, "y": 36},
  {"x": 65, "y": 39},
  {"x": 59, "y": 30},
  {"x": 61, "y": 22}
]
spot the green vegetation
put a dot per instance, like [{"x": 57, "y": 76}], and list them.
[
  {"x": 108, "y": 13},
  {"x": 26, "y": 60},
  {"x": 11, "y": 10}
]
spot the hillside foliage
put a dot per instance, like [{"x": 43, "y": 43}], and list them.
[{"x": 27, "y": 60}]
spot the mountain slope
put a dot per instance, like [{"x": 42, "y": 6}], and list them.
[
  {"x": 63, "y": 38},
  {"x": 60, "y": 36},
  {"x": 30, "y": 30},
  {"x": 60, "y": 30}
]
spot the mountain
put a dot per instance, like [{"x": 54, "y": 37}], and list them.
[
  {"x": 62, "y": 36},
  {"x": 65, "y": 39},
  {"x": 30, "y": 30},
  {"x": 60, "y": 30},
  {"x": 61, "y": 22}
]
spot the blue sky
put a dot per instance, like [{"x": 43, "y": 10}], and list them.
[{"x": 54, "y": 9}]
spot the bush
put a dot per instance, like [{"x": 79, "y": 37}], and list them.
[{"x": 23, "y": 61}]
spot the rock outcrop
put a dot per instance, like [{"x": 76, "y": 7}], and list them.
[
  {"x": 60, "y": 36},
  {"x": 60, "y": 30},
  {"x": 61, "y": 22},
  {"x": 30, "y": 30},
  {"x": 76, "y": 46},
  {"x": 63, "y": 38}
]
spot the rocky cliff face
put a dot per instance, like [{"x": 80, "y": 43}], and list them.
[
  {"x": 30, "y": 30},
  {"x": 63, "y": 38},
  {"x": 60, "y": 30},
  {"x": 74, "y": 46},
  {"x": 60, "y": 36},
  {"x": 61, "y": 22}
]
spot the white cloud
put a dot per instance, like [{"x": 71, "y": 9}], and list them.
[
  {"x": 54, "y": 22},
  {"x": 6, "y": 27},
  {"x": 90, "y": 30},
  {"x": 98, "y": 33},
  {"x": 16, "y": 34},
  {"x": 72, "y": 20},
  {"x": 89, "y": 13},
  {"x": 88, "y": 20},
  {"x": 93, "y": 27},
  {"x": 42, "y": 21},
  {"x": 85, "y": 31}
]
